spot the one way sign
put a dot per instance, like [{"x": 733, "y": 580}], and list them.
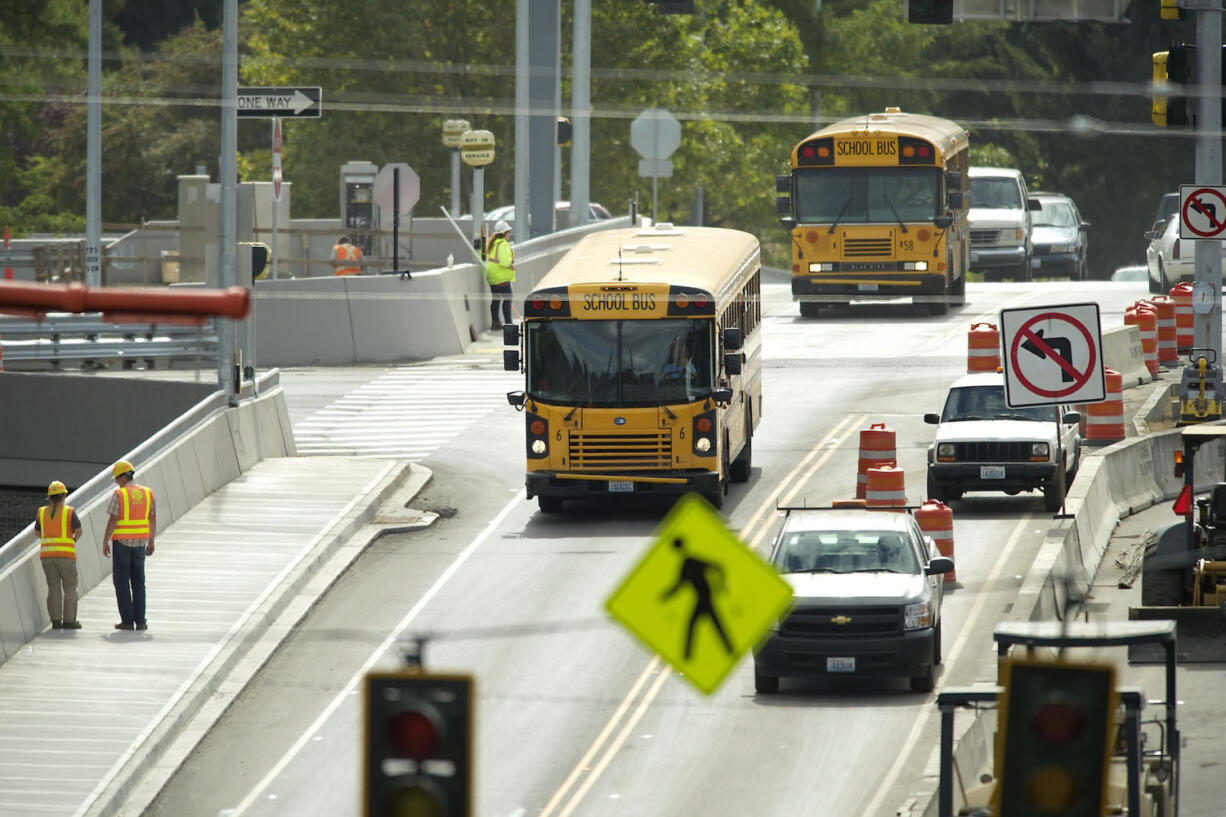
[
  {"x": 1052, "y": 355},
  {"x": 282, "y": 102}
]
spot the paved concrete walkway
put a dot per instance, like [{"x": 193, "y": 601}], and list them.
[{"x": 90, "y": 718}]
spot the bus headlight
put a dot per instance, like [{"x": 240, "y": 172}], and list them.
[
  {"x": 538, "y": 446},
  {"x": 915, "y": 266},
  {"x": 821, "y": 267},
  {"x": 703, "y": 444},
  {"x": 917, "y": 616}
]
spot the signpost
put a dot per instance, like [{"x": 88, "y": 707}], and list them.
[
  {"x": 397, "y": 187},
  {"x": 699, "y": 597},
  {"x": 263, "y": 102},
  {"x": 477, "y": 151},
  {"x": 655, "y": 134}
]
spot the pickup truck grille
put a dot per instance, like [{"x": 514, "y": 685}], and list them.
[
  {"x": 992, "y": 452},
  {"x": 985, "y": 238},
  {"x": 864, "y": 621}
]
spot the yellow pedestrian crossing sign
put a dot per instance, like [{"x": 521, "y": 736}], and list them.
[{"x": 699, "y": 597}]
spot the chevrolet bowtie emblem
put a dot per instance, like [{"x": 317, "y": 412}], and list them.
[{"x": 841, "y": 620}]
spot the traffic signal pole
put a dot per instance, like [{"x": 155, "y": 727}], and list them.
[{"x": 1207, "y": 327}]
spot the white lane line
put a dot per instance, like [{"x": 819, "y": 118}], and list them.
[
  {"x": 392, "y": 638},
  {"x": 929, "y": 713}
]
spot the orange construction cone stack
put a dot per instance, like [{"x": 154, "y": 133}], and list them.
[
  {"x": 876, "y": 449},
  {"x": 982, "y": 348},
  {"x": 936, "y": 519},
  {"x": 1181, "y": 294},
  {"x": 1168, "y": 352},
  {"x": 886, "y": 487},
  {"x": 1146, "y": 322},
  {"x": 1105, "y": 420}
]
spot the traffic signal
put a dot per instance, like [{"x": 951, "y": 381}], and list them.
[
  {"x": 418, "y": 745},
  {"x": 1171, "y": 10},
  {"x": 938, "y": 12},
  {"x": 564, "y": 132},
  {"x": 1172, "y": 68},
  {"x": 1055, "y": 737}
]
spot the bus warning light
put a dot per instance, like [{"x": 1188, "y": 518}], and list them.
[
  {"x": 700, "y": 301},
  {"x": 555, "y": 302}
]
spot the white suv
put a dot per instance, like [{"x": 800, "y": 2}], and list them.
[
  {"x": 983, "y": 445},
  {"x": 1001, "y": 242}
]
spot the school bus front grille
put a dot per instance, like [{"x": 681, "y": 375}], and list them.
[
  {"x": 867, "y": 247},
  {"x": 620, "y": 451}
]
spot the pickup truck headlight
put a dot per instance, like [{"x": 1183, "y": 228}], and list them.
[
  {"x": 917, "y": 616},
  {"x": 1039, "y": 451}
]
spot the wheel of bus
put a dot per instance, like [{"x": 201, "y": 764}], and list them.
[
  {"x": 743, "y": 464},
  {"x": 809, "y": 309},
  {"x": 549, "y": 504},
  {"x": 939, "y": 307}
]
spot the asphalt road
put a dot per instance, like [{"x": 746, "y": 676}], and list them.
[{"x": 573, "y": 716}]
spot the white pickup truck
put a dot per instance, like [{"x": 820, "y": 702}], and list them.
[{"x": 983, "y": 445}]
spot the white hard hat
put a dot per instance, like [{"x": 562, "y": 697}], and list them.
[{"x": 501, "y": 227}]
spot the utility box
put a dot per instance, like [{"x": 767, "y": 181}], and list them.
[{"x": 358, "y": 203}]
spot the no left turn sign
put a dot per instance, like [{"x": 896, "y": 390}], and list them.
[
  {"x": 1202, "y": 211},
  {"x": 1053, "y": 355}
]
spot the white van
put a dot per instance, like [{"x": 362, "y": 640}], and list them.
[{"x": 1001, "y": 242}]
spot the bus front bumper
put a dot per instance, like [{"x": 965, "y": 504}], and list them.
[
  {"x": 580, "y": 486},
  {"x": 840, "y": 285}
]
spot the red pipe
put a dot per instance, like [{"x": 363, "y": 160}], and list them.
[{"x": 143, "y": 302}]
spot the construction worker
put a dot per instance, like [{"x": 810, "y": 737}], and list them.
[
  {"x": 500, "y": 272},
  {"x": 58, "y": 529},
  {"x": 345, "y": 256},
  {"x": 131, "y": 527}
]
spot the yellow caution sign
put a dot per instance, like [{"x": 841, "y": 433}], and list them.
[{"x": 699, "y": 597}]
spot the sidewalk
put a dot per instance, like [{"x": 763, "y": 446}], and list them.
[{"x": 92, "y": 721}]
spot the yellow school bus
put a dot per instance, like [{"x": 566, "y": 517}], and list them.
[
  {"x": 876, "y": 206},
  {"x": 642, "y": 358}
]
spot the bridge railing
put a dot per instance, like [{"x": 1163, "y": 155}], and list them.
[{"x": 86, "y": 339}]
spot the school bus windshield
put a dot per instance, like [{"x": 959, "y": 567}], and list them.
[
  {"x": 885, "y": 195},
  {"x": 619, "y": 363}
]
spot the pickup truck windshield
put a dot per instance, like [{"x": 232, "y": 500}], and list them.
[
  {"x": 988, "y": 403},
  {"x": 620, "y": 363},
  {"x": 845, "y": 552}
]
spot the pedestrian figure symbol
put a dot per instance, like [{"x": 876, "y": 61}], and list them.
[{"x": 694, "y": 573}]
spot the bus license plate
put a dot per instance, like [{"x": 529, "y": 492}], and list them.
[
  {"x": 621, "y": 487},
  {"x": 868, "y": 287},
  {"x": 840, "y": 665},
  {"x": 991, "y": 472}
]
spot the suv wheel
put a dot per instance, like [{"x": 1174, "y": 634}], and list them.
[
  {"x": 941, "y": 491},
  {"x": 764, "y": 684},
  {"x": 1053, "y": 494}
]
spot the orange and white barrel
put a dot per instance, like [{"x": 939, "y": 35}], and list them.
[
  {"x": 885, "y": 487},
  {"x": 1105, "y": 420},
  {"x": 982, "y": 348},
  {"x": 1168, "y": 351},
  {"x": 936, "y": 519},
  {"x": 877, "y": 448},
  {"x": 1146, "y": 322},
  {"x": 1181, "y": 294}
]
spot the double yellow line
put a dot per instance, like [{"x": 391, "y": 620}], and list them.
[{"x": 644, "y": 690}]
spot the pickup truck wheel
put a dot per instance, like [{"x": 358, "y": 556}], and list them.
[
  {"x": 1053, "y": 495},
  {"x": 765, "y": 684},
  {"x": 942, "y": 492},
  {"x": 926, "y": 682},
  {"x": 936, "y": 645}
]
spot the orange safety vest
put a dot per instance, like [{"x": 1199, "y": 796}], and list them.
[
  {"x": 135, "y": 502},
  {"x": 55, "y": 534},
  {"x": 347, "y": 252}
]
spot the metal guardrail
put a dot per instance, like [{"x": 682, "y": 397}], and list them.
[{"x": 87, "y": 339}]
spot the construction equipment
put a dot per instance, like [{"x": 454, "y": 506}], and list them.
[
  {"x": 1183, "y": 573},
  {"x": 1199, "y": 401}
]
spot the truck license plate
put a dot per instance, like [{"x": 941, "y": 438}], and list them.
[
  {"x": 840, "y": 665},
  {"x": 625, "y": 486},
  {"x": 991, "y": 472},
  {"x": 974, "y": 258}
]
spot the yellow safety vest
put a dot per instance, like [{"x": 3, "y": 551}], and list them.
[
  {"x": 135, "y": 503},
  {"x": 55, "y": 533},
  {"x": 500, "y": 258}
]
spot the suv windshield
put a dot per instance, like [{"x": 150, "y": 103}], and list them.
[
  {"x": 844, "y": 551},
  {"x": 883, "y": 195},
  {"x": 988, "y": 403},
  {"x": 619, "y": 363},
  {"x": 995, "y": 193}
]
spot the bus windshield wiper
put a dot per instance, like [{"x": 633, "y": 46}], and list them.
[
  {"x": 894, "y": 210},
  {"x": 839, "y": 217}
]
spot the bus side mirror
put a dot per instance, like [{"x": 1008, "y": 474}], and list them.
[
  {"x": 783, "y": 184},
  {"x": 722, "y": 395},
  {"x": 510, "y": 334},
  {"x": 788, "y": 223},
  {"x": 783, "y": 205},
  {"x": 516, "y": 398},
  {"x": 510, "y": 360},
  {"x": 954, "y": 199},
  {"x": 732, "y": 363},
  {"x": 943, "y": 222},
  {"x": 732, "y": 338},
  {"x": 953, "y": 179}
]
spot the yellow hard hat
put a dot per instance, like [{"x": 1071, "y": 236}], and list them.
[
  {"x": 122, "y": 467},
  {"x": 56, "y": 489}
]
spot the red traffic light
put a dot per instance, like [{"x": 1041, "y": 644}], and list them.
[
  {"x": 1057, "y": 722},
  {"x": 416, "y": 734}
]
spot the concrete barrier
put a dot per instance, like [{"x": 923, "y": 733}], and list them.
[
  {"x": 1122, "y": 352},
  {"x": 183, "y": 463}
]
